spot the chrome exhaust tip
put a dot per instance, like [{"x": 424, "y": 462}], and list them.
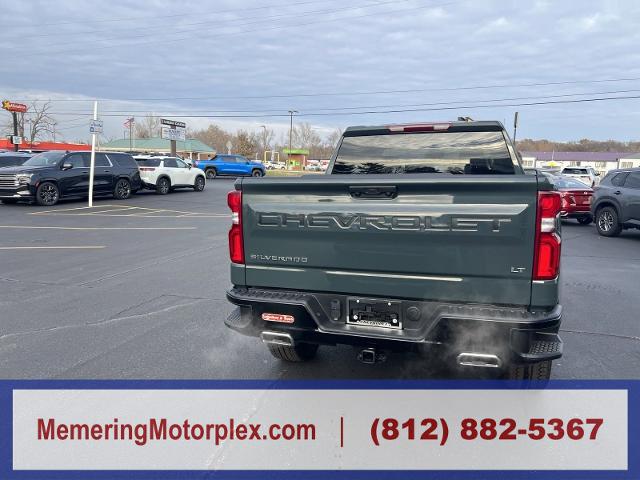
[
  {"x": 483, "y": 360},
  {"x": 277, "y": 338}
]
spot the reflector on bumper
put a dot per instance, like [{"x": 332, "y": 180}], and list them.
[{"x": 277, "y": 317}]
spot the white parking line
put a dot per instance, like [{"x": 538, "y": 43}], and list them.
[
  {"x": 112, "y": 210},
  {"x": 95, "y": 228},
  {"x": 66, "y": 247}
]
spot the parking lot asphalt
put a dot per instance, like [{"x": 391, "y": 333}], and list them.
[{"x": 136, "y": 289}]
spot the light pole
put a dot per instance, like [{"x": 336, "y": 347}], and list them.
[
  {"x": 291, "y": 113},
  {"x": 264, "y": 142}
]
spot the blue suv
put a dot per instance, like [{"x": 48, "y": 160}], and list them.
[{"x": 233, "y": 165}]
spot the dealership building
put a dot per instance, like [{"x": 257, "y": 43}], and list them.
[
  {"x": 601, "y": 162},
  {"x": 190, "y": 148}
]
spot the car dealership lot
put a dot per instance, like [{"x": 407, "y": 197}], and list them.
[{"x": 136, "y": 289}]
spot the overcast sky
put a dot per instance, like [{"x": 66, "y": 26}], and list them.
[{"x": 258, "y": 57}]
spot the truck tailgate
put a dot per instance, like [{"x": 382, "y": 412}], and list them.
[{"x": 458, "y": 238}]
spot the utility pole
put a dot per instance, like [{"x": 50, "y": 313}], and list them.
[
  {"x": 264, "y": 142},
  {"x": 291, "y": 113},
  {"x": 93, "y": 156},
  {"x": 15, "y": 130}
]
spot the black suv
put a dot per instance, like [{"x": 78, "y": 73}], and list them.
[
  {"x": 49, "y": 176},
  {"x": 616, "y": 202}
]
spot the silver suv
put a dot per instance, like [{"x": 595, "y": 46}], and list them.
[{"x": 616, "y": 202}]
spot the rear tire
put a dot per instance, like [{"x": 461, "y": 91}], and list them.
[
  {"x": 199, "y": 183},
  {"x": 607, "y": 222},
  {"x": 211, "y": 173},
  {"x": 534, "y": 371},
  {"x": 122, "y": 190},
  {"x": 256, "y": 173},
  {"x": 163, "y": 186},
  {"x": 298, "y": 353},
  {"x": 585, "y": 220}
]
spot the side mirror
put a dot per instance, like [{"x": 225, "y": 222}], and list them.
[
  {"x": 189, "y": 165},
  {"x": 597, "y": 174},
  {"x": 67, "y": 166}
]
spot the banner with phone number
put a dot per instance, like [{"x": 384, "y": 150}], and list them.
[{"x": 352, "y": 429}]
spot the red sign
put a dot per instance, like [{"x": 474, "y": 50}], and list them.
[{"x": 14, "y": 107}]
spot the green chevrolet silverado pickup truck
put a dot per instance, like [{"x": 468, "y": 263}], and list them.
[{"x": 423, "y": 235}]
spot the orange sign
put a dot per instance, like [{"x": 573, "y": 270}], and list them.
[{"x": 14, "y": 107}]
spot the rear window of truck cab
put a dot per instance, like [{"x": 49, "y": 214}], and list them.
[{"x": 456, "y": 153}]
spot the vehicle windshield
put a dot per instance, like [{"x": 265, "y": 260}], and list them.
[
  {"x": 451, "y": 153},
  {"x": 564, "y": 182},
  {"x": 45, "y": 159}
]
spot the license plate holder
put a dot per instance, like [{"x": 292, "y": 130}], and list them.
[{"x": 370, "y": 312}]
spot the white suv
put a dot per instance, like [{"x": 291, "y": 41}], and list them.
[
  {"x": 163, "y": 174},
  {"x": 586, "y": 175}
]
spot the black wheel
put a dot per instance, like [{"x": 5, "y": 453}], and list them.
[
  {"x": 298, "y": 353},
  {"x": 9, "y": 201},
  {"x": 607, "y": 222},
  {"x": 163, "y": 186},
  {"x": 47, "y": 194},
  {"x": 211, "y": 173},
  {"x": 534, "y": 371},
  {"x": 198, "y": 185},
  {"x": 122, "y": 190},
  {"x": 585, "y": 220},
  {"x": 256, "y": 173}
]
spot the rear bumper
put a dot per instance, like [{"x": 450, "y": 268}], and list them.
[
  {"x": 586, "y": 213},
  {"x": 512, "y": 334}
]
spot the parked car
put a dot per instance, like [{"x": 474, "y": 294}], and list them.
[
  {"x": 232, "y": 165},
  {"x": 616, "y": 202},
  {"x": 275, "y": 165},
  {"x": 586, "y": 175},
  {"x": 419, "y": 235},
  {"x": 576, "y": 199},
  {"x": 163, "y": 174},
  {"x": 11, "y": 159},
  {"x": 49, "y": 176}
]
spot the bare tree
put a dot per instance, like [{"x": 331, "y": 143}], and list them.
[
  {"x": 40, "y": 120},
  {"x": 333, "y": 137},
  {"x": 304, "y": 136},
  {"x": 245, "y": 143},
  {"x": 148, "y": 127}
]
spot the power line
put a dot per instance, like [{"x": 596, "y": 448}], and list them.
[
  {"x": 399, "y": 110},
  {"x": 277, "y": 110},
  {"x": 337, "y": 94},
  {"x": 277, "y": 27}
]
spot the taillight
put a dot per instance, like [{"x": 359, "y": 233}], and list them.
[
  {"x": 236, "y": 243},
  {"x": 546, "y": 259}
]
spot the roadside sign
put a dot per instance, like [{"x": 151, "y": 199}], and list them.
[
  {"x": 96, "y": 126},
  {"x": 14, "y": 107},
  {"x": 172, "y": 123},
  {"x": 16, "y": 139},
  {"x": 173, "y": 134}
]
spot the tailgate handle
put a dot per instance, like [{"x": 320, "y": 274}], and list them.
[{"x": 373, "y": 192}]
